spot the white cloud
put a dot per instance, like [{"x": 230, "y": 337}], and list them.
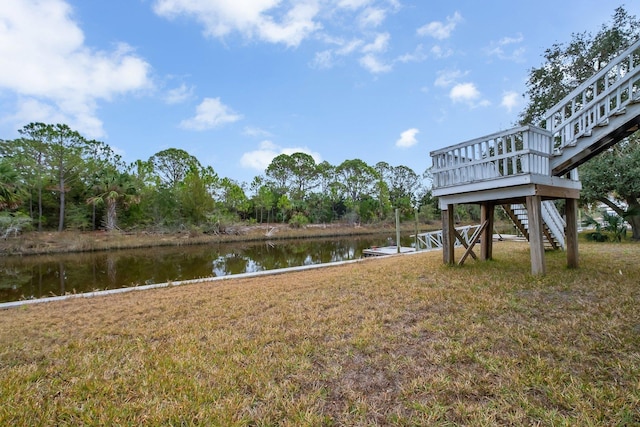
[
  {"x": 267, "y": 20},
  {"x": 439, "y": 30},
  {"x": 440, "y": 52},
  {"x": 510, "y": 40},
  {"x": 178, "y": 94},
  {"x": 349, "y": 47},
  {"x": 53, "y": 74},
  {"x": 374, "y": 64},
  {"x": 328, "y": 58},
  {"x": 502, "y": 49},
  {"x": 370, "y": 61},
  {"x": 372, "y": 17},
  {"x": 510, "y": 100},
  {"x": 32, "y": 110},
  {"x": 323, "y": 60},
  {"x": 256, "y": 132},
  {"x": 467, "y": 93},
  {"x": 353, "y": 4},
  {"x": 464, "y": 92},
  {"x": 210, "y": 114},
  {"x": 408, "y": 138},
  {"x": 416, "y": 56},
  {"x": 261, "y": 158},
  {"x": 380, "y": 44},
  {"x": 447, "y": 78},
  {"x": 290, "y": 22}
]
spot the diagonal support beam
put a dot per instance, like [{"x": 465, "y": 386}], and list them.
[
  {"x": 472, "y": 243},
  {"x": 462, "y": 240}
]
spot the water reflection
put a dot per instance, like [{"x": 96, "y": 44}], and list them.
[{"x": 42, "y": 276}]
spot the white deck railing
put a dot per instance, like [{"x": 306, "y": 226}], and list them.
[
  {"x": 592, "y": 103},
  {"x": 523, "y": 150}
]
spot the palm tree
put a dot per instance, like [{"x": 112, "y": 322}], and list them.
[
  {"x": 113, "y": 187},
  {"x": 11, "y": 194}
]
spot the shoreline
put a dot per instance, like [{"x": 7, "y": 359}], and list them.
[
  {"x": 46, "y": 243},
  {"x": 213, "y": 279}
]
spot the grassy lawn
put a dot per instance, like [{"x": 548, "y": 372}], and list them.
[{"x": 394, "y": 341}]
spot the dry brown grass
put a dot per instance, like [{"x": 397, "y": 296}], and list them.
[{"x": 395, "y": 341}]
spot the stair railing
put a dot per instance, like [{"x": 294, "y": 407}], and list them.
[
  {"x": 554, "y": 221},
  {"x": 592, "y": 103}
]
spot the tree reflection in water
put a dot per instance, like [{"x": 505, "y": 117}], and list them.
[{"x": 42, "y": 276}]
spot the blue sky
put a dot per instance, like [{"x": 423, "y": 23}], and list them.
[{"x": 235, "y": 83}]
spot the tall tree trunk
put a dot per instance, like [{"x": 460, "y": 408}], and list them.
[
  {"x": 111, "y": 214},
  {"x": 40, "y": 206},
  {"x": 62, "y": 201},
  {"x": 39, "y": 203},
  {"x": 39, "y": 165}
]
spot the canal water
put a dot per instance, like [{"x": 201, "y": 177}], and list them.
[{"x": 51, "y": 275}]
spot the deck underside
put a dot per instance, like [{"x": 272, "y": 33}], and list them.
[{"x": 511, "y": 194}]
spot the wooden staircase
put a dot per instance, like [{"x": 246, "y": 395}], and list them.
[
  {"x": 598, "y": 114},
  {"x": 553, "y": 223}
]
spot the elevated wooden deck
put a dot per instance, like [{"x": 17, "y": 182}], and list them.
[
  {"x": 528, "y": 164},
  {"x": 504, "y": 167}
]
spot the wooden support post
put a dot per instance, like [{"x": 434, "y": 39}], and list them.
[
  {"x": 448, "y": 236},
  {"x": 486, "y": 239},
  {"x": 536, "y": 242},
  {"x": 571, "y": 233}
]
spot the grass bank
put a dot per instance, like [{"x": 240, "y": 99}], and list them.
[
  {"x": 39, "y": 243},
  {"x": 394, "y": 341}
]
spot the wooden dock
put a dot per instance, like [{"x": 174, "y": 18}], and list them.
[{"x": 386, "y": 250}]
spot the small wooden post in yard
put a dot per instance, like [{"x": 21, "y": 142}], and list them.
[
  {"x": 416, "y": 242},
  {"x": 536, "y": 243},
  {"x": 398, "y": 229}
]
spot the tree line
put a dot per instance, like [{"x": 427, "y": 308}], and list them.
[{"x": 54, "y": 178}]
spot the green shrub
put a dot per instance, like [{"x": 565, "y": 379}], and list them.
[
  {"x": 12, "y": 224},
  {"x": 298, "y": 221}
]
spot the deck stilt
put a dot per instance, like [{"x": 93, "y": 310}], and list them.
[
  {"x": 572, "y": 232},
  {"x": 536, "y": 242},
  {"x": 486, "y": 242},
  {"x": 448, "y": 236}
]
